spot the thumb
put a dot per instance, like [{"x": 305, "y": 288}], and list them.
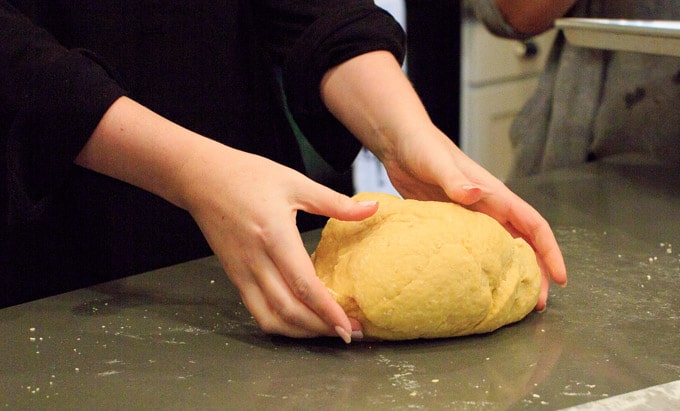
[
  {"x": 465, "y": 194},
  {"x": 459, "y": 188},
  {"x": 448, "y": 173},
  {"x": 330, "y": 203}
]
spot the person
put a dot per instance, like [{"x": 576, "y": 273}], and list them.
[
  {"x": 136, "y": 133},
  {"x": 592, "y": 104}
]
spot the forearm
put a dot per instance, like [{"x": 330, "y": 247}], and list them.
[
  {"x": 534, "y": 16},
  {"x": 135, "y": 145},
  {"x": 373, "y": 98}
]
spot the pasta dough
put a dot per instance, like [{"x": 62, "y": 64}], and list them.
[{"x": 426, "y": 269}]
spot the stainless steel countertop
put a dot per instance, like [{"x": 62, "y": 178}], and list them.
[{"x": 179, "y": 338}]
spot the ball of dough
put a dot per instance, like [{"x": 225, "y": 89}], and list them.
[{"x": 426, "y": 269}]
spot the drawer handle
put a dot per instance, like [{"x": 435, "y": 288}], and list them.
[{"x": 527, "y": 50}]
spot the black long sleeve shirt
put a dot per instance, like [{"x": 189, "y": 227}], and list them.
[{"x": 207, "y": 65}]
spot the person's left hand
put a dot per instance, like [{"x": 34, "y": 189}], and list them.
[
  {"x": 431, "y": 167},
  {"x": 373, "y": 98}
]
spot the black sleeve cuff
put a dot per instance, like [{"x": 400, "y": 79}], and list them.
[
  {"x": 56, "y": 117},
  {"x": 332, "y": 39}
]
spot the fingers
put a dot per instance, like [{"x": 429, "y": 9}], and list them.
[
  {"x": 280, "y": 288},
  {"x": 296, "y": 268},
  {"x": 458, "y": 187},
  {"x": 543, "y": 295},
  {"x": 276, "y": 314},
  {"x": 469, "y": 194},
  {"x": 333, "y": 204},
  {"x": 285, "y": 300},
  {"x": 522, "y": 220},
  {"x": 456, "y": 183},
  {"x": 279, "y": 284},
  {"x": 462, "y": 191},
  {"x": 251, "y": 228},
  {"x": 550, "y": 255},
  {"x": 538, "y": 233},
  {"x": 447, "y": 173}
]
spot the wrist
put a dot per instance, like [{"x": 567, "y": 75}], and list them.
[{"x": 135, "y": 145}]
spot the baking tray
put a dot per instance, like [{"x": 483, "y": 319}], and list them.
[{"x": 643, "y": 36}]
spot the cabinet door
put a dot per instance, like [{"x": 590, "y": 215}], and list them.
[
  {"x": 498, "y": 77},
  {"x": 490, "y": 112},
  {"x": 489, "y": 59}
]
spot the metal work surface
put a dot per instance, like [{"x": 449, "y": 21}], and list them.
[{"x": 179, "y": 338}]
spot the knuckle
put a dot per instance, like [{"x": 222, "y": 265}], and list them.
[
  {"x": 262, "y": 235},
  {"x": 341, "y": 199},
  {"x": 268, "y": 325},
  {"x": 288, "y": 313},
  {"x": 301, "y": 288}
]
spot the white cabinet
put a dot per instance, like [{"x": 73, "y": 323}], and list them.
[{"x": 497, "y": 77}]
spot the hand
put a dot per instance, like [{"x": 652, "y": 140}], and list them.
[
  {"x": 373, "y": 99},
  {"x": 246, "y": 207},
  {"x": 430, "y": 167}
]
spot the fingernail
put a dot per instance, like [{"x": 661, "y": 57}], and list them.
[
  {"x": 357, "y": 335},
  {"x": 346, "y": 337},
  {"x": 470, "y": 188},
  {"x": 370, "y": 203}
]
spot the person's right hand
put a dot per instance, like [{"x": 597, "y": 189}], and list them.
[
  {"x": 246, "y": 207},
  {"x": 244, "y": 204}
]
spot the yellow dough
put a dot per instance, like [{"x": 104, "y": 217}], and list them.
[{"x": 426, "y": 269}]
